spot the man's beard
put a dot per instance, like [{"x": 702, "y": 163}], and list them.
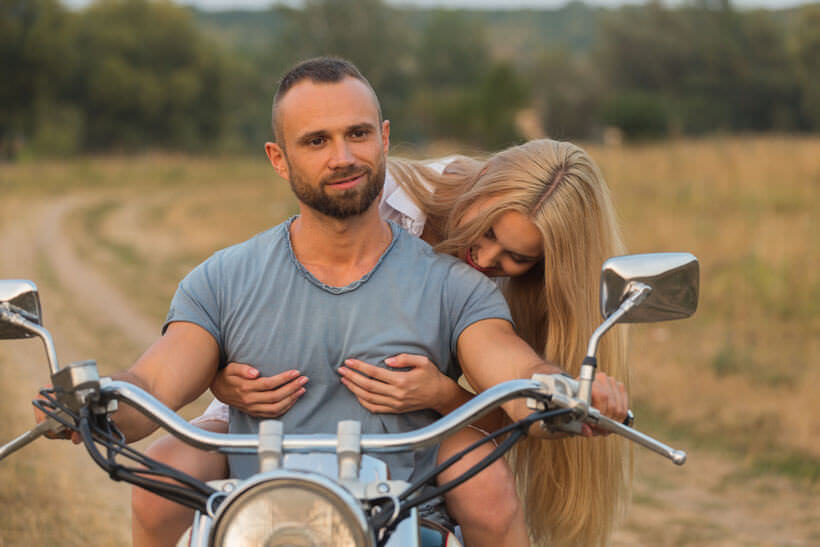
[{"x": 345, "y": 203}]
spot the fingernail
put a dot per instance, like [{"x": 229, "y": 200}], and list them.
[
  {"x": 341, "y": 370},
  {"x": 301, "y": 391},
  {"x": 294, "y": 373},
  {"x": 390, "y": 360},
  {"x": 348, "y": 361},
  {"x": 303, "y": 380}
]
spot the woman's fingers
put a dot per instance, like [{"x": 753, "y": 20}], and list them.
[
  {"x": 610, "y": 398},
  {"x": 408, "y": 360},
  {"x": 241, "y": 370},
  {"x": 269, "y": 383},
  {"x": 274, "y": 410},
  {"x": 273, "y": 396},
  {"x": 377, "y": 409},
  {"x": 354, "y": 372},
  {"x": 378, "y": 373},
  {"x": 368, "y": 399}
]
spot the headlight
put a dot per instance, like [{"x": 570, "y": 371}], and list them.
[{"x": 291, "y": 509}]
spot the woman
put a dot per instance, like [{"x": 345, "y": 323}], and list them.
[{"x": 539, "y": 216}]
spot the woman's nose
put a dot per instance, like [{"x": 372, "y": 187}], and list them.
[{"x": 488, "y": 255}]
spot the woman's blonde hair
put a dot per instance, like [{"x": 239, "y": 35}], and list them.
[{"x": 574, "y": 490}]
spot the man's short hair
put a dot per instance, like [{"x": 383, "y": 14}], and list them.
[{"x": 326, "y": 70}]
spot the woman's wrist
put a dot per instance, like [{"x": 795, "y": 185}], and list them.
[{"x": 451, "y": 395}]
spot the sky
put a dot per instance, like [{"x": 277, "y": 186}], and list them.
[{"x": 473, "y": 4}]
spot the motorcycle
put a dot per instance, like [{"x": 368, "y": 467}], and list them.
[{"x": 325, "y": 489}]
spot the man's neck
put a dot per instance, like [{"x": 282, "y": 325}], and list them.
[{"x": 339, "y": 252}]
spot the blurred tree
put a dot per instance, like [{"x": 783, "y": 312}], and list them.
[
  {"x": 567, "y": 92},
  {"x": 36, "y": 56},
  {"x": 708, "y": 66},
  {"x": 367, "y": 32},
  {"x": 482, "y": 115},
  {"x": 638, "y": 114},
  {"x": 501, "y": 96},
  {"x": 146, "y": 77},
  {"x": 453, "y": 52},
  {"x": 460, "y": 92},
  {"x": 807, "y": 56}
]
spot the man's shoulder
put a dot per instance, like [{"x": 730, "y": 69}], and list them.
[
  {"x": 418, "y": 250},
  {"x": 241, "y": 261},
  {"x": 252, "y": 248}
]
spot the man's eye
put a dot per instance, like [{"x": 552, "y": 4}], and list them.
[
  {"x": 360, "y": 133},
  {"x": 316, "y": 141}
]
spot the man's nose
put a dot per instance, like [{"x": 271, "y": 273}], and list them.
[{"x": 342, "y": 156}]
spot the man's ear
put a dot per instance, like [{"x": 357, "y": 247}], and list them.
[
  {"x": 277, "y": 158},
  {"x": 386, "y": 136}
]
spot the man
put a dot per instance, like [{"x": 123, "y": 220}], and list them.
[{"x": 334, "y": 283}]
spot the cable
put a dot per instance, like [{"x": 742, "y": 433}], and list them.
[
  {"x": 185, "y": 489},
  {"x": 517, "y": 430}
]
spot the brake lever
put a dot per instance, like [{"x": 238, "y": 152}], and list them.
[
  {"x": 561, "y": 391},
  {"x": 47, "y": 426}
]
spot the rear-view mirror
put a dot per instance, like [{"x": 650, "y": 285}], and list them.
[
  {"x": 19, "y": 296},
  {"x": 672, "y": 277}
]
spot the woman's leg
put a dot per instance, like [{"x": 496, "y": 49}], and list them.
[
  {"x": 486, "y": 506},
  {"x": 156, "y": 521}
]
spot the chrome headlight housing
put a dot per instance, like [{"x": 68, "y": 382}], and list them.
[{"x": 287, "y": 508}]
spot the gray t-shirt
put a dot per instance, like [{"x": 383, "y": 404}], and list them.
[{"x": 265, "y": 309}]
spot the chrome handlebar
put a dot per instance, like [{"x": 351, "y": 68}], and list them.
[
  {"x": 561, "y": 391},
  {"x": 248, "y": 443}
]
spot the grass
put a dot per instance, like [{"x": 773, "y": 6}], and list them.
[
  {"x": 738, "y": 379},
  {"x": 750, "y": 444},
  {"x": 746, "y": 207}
]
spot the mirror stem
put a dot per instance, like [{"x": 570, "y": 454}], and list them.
[
  {"x": 636, "y": 292},
  {"x": 39, "y": 331}
]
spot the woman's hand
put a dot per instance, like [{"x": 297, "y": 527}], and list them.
[
  {"x": 609, "y": 396},
  {"x": 240, "y": 386},
  {"x": 396, "y": 391}
]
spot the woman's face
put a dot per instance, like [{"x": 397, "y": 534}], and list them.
[{"x": 510, "y": 247}]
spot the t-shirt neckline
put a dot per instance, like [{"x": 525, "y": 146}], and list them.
[{"x": 395, "y": 231}]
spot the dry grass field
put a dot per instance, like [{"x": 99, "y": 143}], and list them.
[{"x": 107, "y": 239}]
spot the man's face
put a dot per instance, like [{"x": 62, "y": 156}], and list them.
[{"x": 334, "y": 146}]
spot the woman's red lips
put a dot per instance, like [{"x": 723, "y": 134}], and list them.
[{"x": 469, "y": 259}]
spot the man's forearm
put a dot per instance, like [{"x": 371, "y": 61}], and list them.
[
  {"x": 517, "y": 409},
  {"x": 131, "y": 422}
]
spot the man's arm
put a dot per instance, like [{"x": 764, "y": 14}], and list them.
[
  {"x": 490, "y": 353},
  {"x": 176, "y": 369}
]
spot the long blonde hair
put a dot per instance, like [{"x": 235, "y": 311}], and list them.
[{"x": 574, "y": 490}]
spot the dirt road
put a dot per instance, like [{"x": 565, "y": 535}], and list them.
[{"x": 52, "y": 494}]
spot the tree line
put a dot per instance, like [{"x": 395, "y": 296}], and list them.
[{"x": 121, "y": 75}]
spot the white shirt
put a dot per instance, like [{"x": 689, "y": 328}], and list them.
[{"x": 397, "y": 206}]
